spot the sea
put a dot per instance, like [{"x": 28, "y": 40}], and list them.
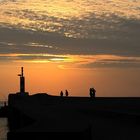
[{"x": 3, "y": 126}]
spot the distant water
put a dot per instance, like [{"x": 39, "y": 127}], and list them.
[
  {"x": 3, "y": 127},
  {"x": 1, "y": 104}
]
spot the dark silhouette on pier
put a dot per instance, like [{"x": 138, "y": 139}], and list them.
[
  {"x": 92, "y": 92},
  {"x": 4, "y": 110},
  {"x": 22, "y": 83},
  {"x": 66, "y": 93},
  {"x": 43, "y": 116},
  {"x": 61, "y": 93},
  {"x": 5, "y": 104}
]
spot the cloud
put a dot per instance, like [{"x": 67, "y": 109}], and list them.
[
  {"x": 112, "y": 64},
  {"x": 26, "y": 41},
  {"x": 107, "y": 61},
  {"x": 32, "y": 58},
  {"x": 78, "y": 19},
  {"x": 79, "y": 28}
]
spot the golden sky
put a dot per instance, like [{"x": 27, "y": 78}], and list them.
[{"x": 71, "y": 44}]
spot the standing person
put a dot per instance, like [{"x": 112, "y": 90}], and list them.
[
  {"x": 5, "y": 104},
  {"x": 66, "y": 93},
  {"x": 61, "y": 93}
]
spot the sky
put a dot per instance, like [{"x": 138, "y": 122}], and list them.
[{"x": 70, "y": 44}]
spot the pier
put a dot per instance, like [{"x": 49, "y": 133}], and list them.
[{"x": 42, "y": 116}]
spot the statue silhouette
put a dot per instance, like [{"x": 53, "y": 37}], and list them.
[{"x": 92, "y": 92}]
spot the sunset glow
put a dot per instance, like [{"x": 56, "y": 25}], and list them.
[{"x": 71, "y": 44}]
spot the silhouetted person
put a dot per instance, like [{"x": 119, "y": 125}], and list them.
[
  {"x": 92, "y": 92},
  {"x": 5, "y": 104},
  {"x": 61, "y": 93},
  {"x": 66, "y": 93}
]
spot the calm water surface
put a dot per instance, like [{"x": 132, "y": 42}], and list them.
[{"x": 3, "y": 128}]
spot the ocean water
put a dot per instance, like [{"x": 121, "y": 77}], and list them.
[
  {"x": 1, "y": 103},
  {"x": 3, "y": 128}
]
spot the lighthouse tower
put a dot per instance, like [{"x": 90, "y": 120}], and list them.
[{"x": 22, "y": 83}]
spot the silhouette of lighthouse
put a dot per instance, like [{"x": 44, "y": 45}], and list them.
[{"x": 22, "y": 83}]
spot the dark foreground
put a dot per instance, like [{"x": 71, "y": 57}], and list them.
[{"x": 47, "y": 117}]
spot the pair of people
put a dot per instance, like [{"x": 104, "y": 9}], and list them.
[
  {"x": 92, "y": 92},
  {"x": 66, "y": 93}
]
